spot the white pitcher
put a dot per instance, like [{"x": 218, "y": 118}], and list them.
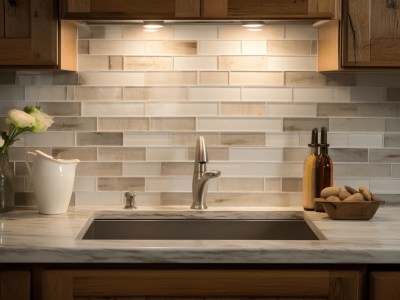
[{"x": 53, "y": 181}]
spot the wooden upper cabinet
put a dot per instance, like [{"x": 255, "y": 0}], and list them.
[
  {"x": 196, "y": 9},
  {"x": 130, "y": 9},
  {"x": 273, "y": 9},
  {"x": 367, "y": 37},
  {"x": 32, "y": 36}
]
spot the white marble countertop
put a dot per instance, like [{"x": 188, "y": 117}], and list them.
[{"x": 27, "y": 237}]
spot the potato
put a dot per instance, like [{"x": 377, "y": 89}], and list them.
[
  {"x": 343, "y": 195},
  {"x": 350, "y": 189},
  {"x": 366, "y": 193},
  {"x": 330, "y": 191},
  {"x": 357, "y": 197},
  {"x": 333, "y": 199}
]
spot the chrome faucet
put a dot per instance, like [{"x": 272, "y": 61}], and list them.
[{"x": 201, "y": 175}]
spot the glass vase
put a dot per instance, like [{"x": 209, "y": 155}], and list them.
[{"x": 6, "y": 184}]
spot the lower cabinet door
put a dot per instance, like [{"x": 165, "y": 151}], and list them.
[
  {"x": 15, "y": 284},
  {"x": 384, "y": 285}
]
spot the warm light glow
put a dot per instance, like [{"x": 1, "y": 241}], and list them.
[
  {"x": 153, "y": 24},
  {"x": 253, "y": 24}
]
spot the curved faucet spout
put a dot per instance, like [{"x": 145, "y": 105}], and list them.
[{"x": 201, "y": 176}]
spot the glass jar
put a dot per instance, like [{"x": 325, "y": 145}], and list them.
[{"x": 6, "y": 184}]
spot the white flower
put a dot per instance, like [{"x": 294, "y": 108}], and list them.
[
  {"x": 1, "y": 141},
  {"x": 42, "y": 120},
  {"x": 20, "y": 119}
]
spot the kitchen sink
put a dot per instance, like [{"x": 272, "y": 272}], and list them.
[{"x": 198, "y": 229}]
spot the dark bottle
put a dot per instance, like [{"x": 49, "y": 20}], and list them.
[{"x": 324, "y": 169}]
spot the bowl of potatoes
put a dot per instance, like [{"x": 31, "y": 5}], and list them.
[{"x": 348, "y": 203}]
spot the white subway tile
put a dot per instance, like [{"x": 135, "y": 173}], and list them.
[
  {"x": 301, "y": 32},
  {"x": 111, "y": 78},
  {"x": 269, "y": 94},
  {"x": 195, "y": 32},
  {"x": 373, "y": 140},
  {"x": 141, "y": 169},
  {"x": 254, "y": 47},
  {"x": 98, "y": 199},
  {"x": 273, "y": 169},
  {"x": 146, "y": 139},
  {"x": 255, "y": 154},
  {"x": 112, "y": 109},
  {"x": 116, "y": 47},
  {"x": 282, "y": 139},
  {"x": 385, "y": 186},
  {"x": 181, "y": 109},
  {"x": 219, "y": 47},
  {"x": 313, "y": 94},
  {"x": 341, "y": 94},
  {"x": 306, "y": 63},
  {"x": 166, "y": 184},
  {"x": 196, "y": 63},
  {"x": 239, "y": 124},
  {"x": 286, "y": 110},
  {"x": 214, "y": 94},
  {"x": 167, "y": 154},
  {"x": 227, "y": 169}
]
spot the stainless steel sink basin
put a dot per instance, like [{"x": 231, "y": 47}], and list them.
[{"x": 198, "y": 229}]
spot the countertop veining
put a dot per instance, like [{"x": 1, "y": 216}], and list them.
[{"x": 28, "y": 237}]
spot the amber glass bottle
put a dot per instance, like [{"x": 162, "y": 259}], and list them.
[
  {"x": 309, "y": 172},
  {"x": 324, "y": 170}
]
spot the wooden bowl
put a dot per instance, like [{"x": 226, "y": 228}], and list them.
[{"x": 364, "y": 210}]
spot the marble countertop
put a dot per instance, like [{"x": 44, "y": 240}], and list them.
[{"x": 28, "y": 237}]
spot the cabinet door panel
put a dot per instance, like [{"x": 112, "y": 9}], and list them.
[
  {"x": 385, "y": 285},
  {"x": 1, "y": 19},
  {"x": 17, "y": 16},
  {"x": 14, "y": 284}
]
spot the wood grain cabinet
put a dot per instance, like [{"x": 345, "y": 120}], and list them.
[
  {"x": 199, "y": 284},
  {"x": 196, "y": 9},
  {"x": 32, "y": 36},
  {"x": 384, "y": 285},
  {"x": 15, "y": 284},
  {"x": 367, "y": 36}
]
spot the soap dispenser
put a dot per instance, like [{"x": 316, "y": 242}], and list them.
[
  {"x": 324, "y": 167},
  {"x": 309, "y": 173}
]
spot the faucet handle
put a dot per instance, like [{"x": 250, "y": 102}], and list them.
[{"x": 130, "y": 200}]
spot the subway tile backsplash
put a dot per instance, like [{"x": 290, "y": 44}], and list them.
[{"x": 134, "y": 109}]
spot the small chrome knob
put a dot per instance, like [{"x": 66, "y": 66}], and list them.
[{"x": 130, "y": 201}]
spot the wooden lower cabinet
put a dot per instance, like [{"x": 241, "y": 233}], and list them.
[
  {"x": 15, "y": 284},
  {"x": 198, "y": 283},
  {"x": 384, "y": 285}
]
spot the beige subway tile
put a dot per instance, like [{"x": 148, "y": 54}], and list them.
[
  {"x": 84, "y": 93},
  {"x": 61, "y": 108},
  {"x": 272, "y": 184},
  {"x": 123, "y": 124},
  {"x": 82, "y": 153},
  {"x": 122, "y": 153},
  {"x": 83, "y": 47},
  {"x": 93, "y": 62},
  {"x": 218, "y": 47},
  {"x": 292, "y": 63},
  {"x": 214, "y": 93},
  {"x": 292, "y": 184},
  {"x": 254, "y": 47},
  {"x": 111, "y": 79},
  {"x": 19, "y": 153},
  {"x": 241, "y": 184},
  {"x": 304, "y": 124},
  {"x": 171, "y": 47},
  {"x": 39, "y": 93},
  {"x": 295, "y": 110},
  {"x": 148, "y": 138},
  {"x": 243, "y": 139},
  {"x": 92, "y": 32},
  {"x": 267, "y": 93},
  {"x": 171, "y": 78},
  {"x": 148, "y": 63},
  {"x": 301, "y": 32},
  {"x": 360, "y": 170},
  {"x": 242, "y": 109},
  {"x": 196, "y": 63},
  {"x": 256, "y": 78},
  {"x": 392, "y": 140},
  {"x": 357, "y": 124},
  {"x": 183, "y": 108},
  {"x": 120, "y": 184},
  {"x": 190, "y": 138},
  {"x": 136, "y": 32},
  {"x": 287, "y": 47},
  {"x": 392, "y": 124},
  {"x": 155, "y": 93},
  {"x": 352, "y": 154},
  {"x": 116, "y": 47},
  {"x": 99, "y": 138},
  {"x": 295, "y": 154},
  {"x": 239, "y": 124},
  {"x": 195, "y": 32},
  {"x": 73, "y": 124},
  {"x": 176, "y": 168},
  {"x": 12, "y": 92},
  {"x": 99, "y": 169},
  {"x": 177, "y": 124},
  {"x": 110, "y": 109},
  {"x": 116, "y": 63},
  {"x": 85, "y": 184},
  {"x": 142, "y": 168},
  {"x": 43, "y": 139},
  {"x": 358, "y": 109},
  {"x": 318, "y": 79},
  {"x": 89, "y": 198},
  {"x": 250, "y": 63},
  {"x": 214, "y": 78},
  {"x": 238, "y": 32},
  {"x": 285, "y": 139},
  {"x": 314, "y": 47}
]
